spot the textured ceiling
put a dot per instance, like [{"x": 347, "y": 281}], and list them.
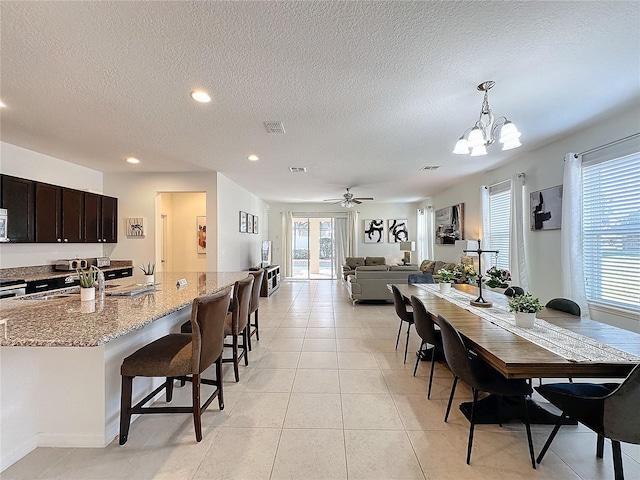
[{"x": 368, "y": 92}]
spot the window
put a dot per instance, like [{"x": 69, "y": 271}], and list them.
[
  {"x": 499, "y": 220},
  {"x": 611, "y": 231}
]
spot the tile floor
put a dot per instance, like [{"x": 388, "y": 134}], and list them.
[{"x": 327, "y": 396}]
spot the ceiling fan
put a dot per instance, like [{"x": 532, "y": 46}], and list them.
[{"x": 349, "y": 200}]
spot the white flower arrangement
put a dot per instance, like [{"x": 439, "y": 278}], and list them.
[
  {"x": 445, "y": 276},
  {"x": 526, "y": 303}
]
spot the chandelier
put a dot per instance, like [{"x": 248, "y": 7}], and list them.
[
  {"x": 347, "y": 203},
  {"x": 483, "y": 133}
]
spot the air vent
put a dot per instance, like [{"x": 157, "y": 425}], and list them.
[
  {"x": 274, "y": 127},
  {"x": 430, "y": 167},
  {"x": 298, "y": 169}
]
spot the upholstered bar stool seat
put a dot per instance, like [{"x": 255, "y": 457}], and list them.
[{"x": 183, "y": 356}]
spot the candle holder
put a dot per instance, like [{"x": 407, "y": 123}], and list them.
[{"x": 480, "y": 302}]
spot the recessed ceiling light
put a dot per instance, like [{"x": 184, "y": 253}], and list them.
[
  {"x": 132, "y": 160},
  {"x": 200, "y": 96},
  {"x": 253, "y": 158}
]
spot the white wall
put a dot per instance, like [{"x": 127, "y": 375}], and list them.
[
  {"x": 137, "y": 194},
  {"x": 385, "y": 211},
  {"x": 543, "y": 168},
  {"x": 238, "y": 251},
  {"x": 20, "y": 162},
  {"x": 183, "y": 235}
]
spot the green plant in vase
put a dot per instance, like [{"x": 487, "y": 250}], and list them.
[
  {"x": 526, "y": 303},
  {"x": 148, "y": 269},
  {"x": 497, "y": 278},
  {"x": 445, "y": 276},
  {"x": 87, "y": 280}
]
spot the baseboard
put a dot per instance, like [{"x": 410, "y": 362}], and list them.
[
  {"x": 8, "y": 459},
  {"x": 63, "y": 440}
]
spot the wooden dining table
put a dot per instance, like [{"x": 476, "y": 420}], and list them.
[{"x": 516, "y": 357}]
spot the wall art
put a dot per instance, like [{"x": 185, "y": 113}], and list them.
[
  {"x": 398, "y": 230},
  {"x": 243, "y": 222},
  {"x": 545, "y": 207},
  {"x": 255, "y": 224},
  {"x": 450, "y": 224},
  {"x": 374, "y": 231},
  {"x": 135, "y": 227},
  {"x": 249, "y": 223},
  {"x": 201, "y": 225}
]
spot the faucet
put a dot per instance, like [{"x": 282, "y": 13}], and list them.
[{"x": 100, "y": 279}]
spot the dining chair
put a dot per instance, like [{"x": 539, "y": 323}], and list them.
[
  {"x": 405, "y": 316},
  {"x": 255, "y": 304},
  {"x": 609, "y": 409},
  {"x": 564, "y": 305},
  {"x": 481, "y": 377},
  {"x": 183, "y": 356},
  {"x": 514, "y": 291},
  {"x": 420, "y": 278},
  {"x": 428, "y": 333},
  {"x": 237, "y": 323}
]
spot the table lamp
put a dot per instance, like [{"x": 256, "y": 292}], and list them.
[{"x": 407, "y": 248}]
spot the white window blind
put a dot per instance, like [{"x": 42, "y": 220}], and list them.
[
  {"x": 611, "y": 231},
  {"x": 499, "y": 218}
]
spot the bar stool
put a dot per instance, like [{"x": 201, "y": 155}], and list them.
[
  {"x": 237, "y": 322},
  {"x": 255, "y": 304},
  {"x": 181, "y": 356}
]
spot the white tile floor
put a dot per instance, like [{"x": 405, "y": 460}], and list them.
[{"x": 326, "y": 396}]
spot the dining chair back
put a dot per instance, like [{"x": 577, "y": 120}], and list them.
[
  {"x": 514, "y": 291},
  {"x": 564, "y": 305},
  {"x": 481, "y": 377},
  {"x": 427, "y": 331},
  {"x": 237, "y": 323},
  {"x": 609, "y": 409},
  {"x": 405, "y": 316},
  {"x": 255, "y": 304},
  {"x": 420, "y": 278}
]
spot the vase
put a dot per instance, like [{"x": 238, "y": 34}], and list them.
[
  {"x": 445, "y": 287},
  {"x": 525, "y": 319},
  {"x": 87, "y": 294},
  {"x": 149, "y": 279}
]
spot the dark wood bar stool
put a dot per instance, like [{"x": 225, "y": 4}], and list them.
[
  {"x": 237, "y": 322},
  {"x": 182, "y": 356},
  {"x": 258, "y": 275}
]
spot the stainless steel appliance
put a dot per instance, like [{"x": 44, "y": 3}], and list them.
[
  {"x": 12, "y": 287},
  {"x": 72, "y": 264},
  {"x": 3, "y": 225}
]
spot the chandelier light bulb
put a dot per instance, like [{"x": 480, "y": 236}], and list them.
[
  {"x": 476, "y": 138},
  {"x": 462, "y": 147},
  {"x": 478, "y": 151},
  {"x": 509, "y": 132},
  {"x": 511, "y": 144}
]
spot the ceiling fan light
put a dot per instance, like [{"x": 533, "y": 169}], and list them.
[
  {"x": 509, "y": 132},
  {"x": 511, "y": 144},
  {"x": 462, "y": 147},
  {"x": 478, "y": 151},
  {"x": 476, "y": 138}
]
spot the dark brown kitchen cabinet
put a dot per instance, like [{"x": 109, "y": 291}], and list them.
[
  {"x": 100, "y": 218},
  {"x": 48, "y": 213},
  {"x": 19, "y": 200}
]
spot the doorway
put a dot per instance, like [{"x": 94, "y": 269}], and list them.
[{"x": 313, "y": 252}]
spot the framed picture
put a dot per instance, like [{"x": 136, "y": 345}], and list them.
[
  {"x": 201, "y": 223},
  {"x": 545, "y": 207},
  {"x": 135, "y": 227},
  {"x": 450, "y": 224},
  {"x": 243, "y": 222},
  {"x": 398, "y": 230},
  {"x": 255, "y": 224},
  {"x": 249, "y": 223},
  {"x": 374, "y": 231}
]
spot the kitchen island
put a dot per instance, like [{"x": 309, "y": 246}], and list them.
[{"x": 60, "y": 359}]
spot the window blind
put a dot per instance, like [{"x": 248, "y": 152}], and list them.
[
  {"x": 499, "y": 219},
  {"x": 611, "y": 231}
]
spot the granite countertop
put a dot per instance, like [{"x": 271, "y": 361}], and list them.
[
  {"x": 68, "y": 322},
  {"x": 42, "y": 272}
]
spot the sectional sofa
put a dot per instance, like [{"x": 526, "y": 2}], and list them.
[{"x": 370, "y": 282}]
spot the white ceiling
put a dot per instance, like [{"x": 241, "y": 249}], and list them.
[{"x": 368, "y": 92}]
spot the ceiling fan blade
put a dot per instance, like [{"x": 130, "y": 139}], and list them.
[
  {"x": 334, "y": 200},
  {"x": 363, "y": 198},
  {"x": 356, "y": 200}
]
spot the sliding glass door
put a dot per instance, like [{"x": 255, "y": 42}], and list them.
[{"x": 313, "y": 248}]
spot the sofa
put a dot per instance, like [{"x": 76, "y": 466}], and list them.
[
  {"x": 351, "y": 263},
  {"x": 432, "y": 267},
  {"x": 370, "y": 282}
]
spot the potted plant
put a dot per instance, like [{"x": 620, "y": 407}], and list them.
[
  {"x": 445, "y": 279},
  {"x": 148, "y": 271},
  {"x": 498, "y": 278},
  {"x": 525, "y": 307},
  {"x": 87, "y": 280},
  {"x": 465, "y": 273}
]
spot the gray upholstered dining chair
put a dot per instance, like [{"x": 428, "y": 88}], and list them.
[
  {"x": 481, "y": 377},
  {"x": 405, "y": 316},
  {"x": 610, "y": 410},
  {"x": 183, "y": 356},
  {"x": 514, "y": 291},
  {"x": 428, "y": 333},
  {"x": 564, "y": 305}
]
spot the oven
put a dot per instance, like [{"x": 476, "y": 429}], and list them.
[{"x": 11, "y": 288}]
